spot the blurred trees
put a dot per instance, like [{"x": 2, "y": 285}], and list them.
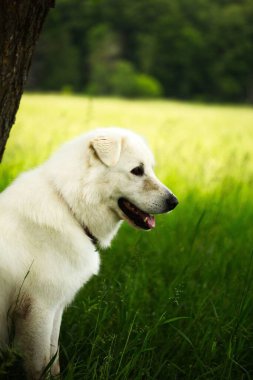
[{"x": 186, "y": 48}]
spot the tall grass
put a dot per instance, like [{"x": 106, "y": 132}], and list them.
[{"x": 174, "y": 303}]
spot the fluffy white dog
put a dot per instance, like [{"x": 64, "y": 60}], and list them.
[{"x": 52, "y": 218}]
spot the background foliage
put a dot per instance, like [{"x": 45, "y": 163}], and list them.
[{"x": 186, "y": 49}]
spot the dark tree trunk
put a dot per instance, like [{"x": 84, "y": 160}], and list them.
[{"x": 20, "y": 26}]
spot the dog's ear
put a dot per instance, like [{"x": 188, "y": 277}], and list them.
[{"x": 107, "y": 148}]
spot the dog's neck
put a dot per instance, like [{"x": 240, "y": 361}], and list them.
[
  {"x": 85, "y": 228},
  {"x": 101, "y": 222},
  {"x": 91, "y": 219},
  {"x": 89, "y": 234}
]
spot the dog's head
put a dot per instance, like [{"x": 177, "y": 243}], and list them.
[{"x": 123, "y": 166}]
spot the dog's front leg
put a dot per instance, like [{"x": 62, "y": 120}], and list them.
[
  {"x": 33, "y": 330},
  {"x": 54, "y": 349}
]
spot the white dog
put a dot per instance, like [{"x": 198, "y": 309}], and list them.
[{"x": 52, "y": 218}]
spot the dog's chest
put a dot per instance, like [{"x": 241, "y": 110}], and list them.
[
  {"x": 74, "y": 264},
  {"x": 60, "y": 264}
]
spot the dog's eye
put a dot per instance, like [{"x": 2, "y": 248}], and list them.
[{"x": 139, "y": 170}]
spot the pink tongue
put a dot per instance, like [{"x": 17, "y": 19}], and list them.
[{"x": 150, "y": 221}]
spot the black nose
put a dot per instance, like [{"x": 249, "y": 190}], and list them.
[{"x": 171, "y": 202}]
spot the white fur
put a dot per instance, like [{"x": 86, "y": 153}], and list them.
[{"x": 45, "y": 254}]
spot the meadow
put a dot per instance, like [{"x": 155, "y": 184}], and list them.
[{"x": 176, "y": 302}]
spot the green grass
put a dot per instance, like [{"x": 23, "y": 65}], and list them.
[{"x": 177, "y": 302}]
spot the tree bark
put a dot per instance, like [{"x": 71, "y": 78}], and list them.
[{"x": 20, "y": 26}]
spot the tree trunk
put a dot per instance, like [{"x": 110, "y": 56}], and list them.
[{"x": 20, "y": 26}]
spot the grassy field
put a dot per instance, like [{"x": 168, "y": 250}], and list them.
[{"x": 177, "y": 302}]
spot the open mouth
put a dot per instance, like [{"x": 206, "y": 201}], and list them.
[{"x": 138, "y": 217}]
